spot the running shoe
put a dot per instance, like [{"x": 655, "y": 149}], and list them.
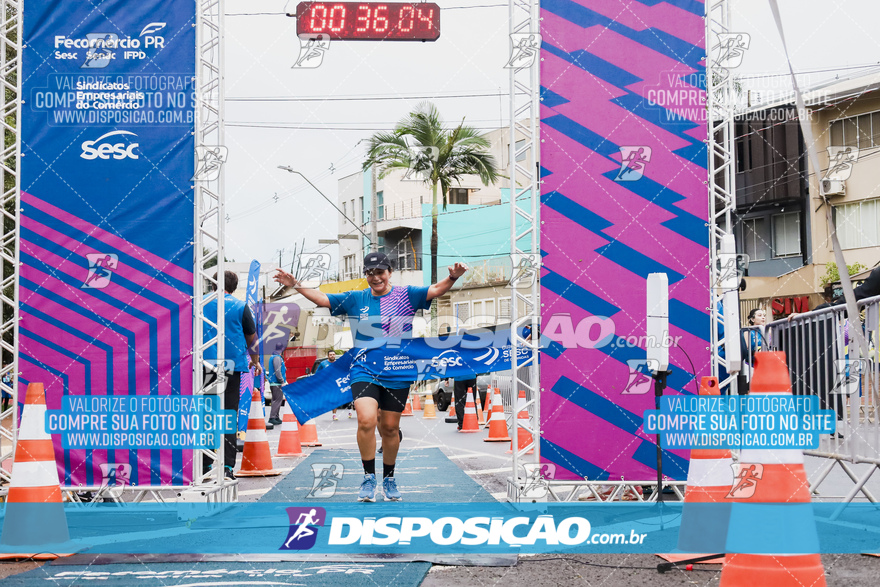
[
  {"x": 349, "y": 416},
  {"x": 335, "y": 417},
  {"x": 389, "y": 487},
  {"x": 368, "y": 488}
]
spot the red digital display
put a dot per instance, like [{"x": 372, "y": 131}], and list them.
[{"x": 369, "y": 21}]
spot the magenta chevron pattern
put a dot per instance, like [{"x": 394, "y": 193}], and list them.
[
  {"x": 396, "y": 311},
  {"x": 131, "y": 337},
  {"x": 623, "y": 164}
]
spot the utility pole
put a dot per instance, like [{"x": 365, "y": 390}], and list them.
[{"x": 374, "y": 214}]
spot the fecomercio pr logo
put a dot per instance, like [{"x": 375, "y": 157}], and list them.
[
  {"x": 100, "y": 48},
  {"x": 97, "y": 149}
]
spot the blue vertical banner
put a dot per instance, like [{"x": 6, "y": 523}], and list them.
[
  {"x": 250, "y": 298},
  {"x": 107, "y": 160},
  {"x": 259, "y": 318}
]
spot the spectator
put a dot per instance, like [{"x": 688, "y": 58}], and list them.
[
  {"x": 276, "y": 375},
  {"x": 239, "y": 351},
  {"x": 752, "y": 341},
  {"x": 870, "y": 287},
  {"x": 7, "y": 396}
]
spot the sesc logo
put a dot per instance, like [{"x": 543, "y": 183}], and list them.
[
  {"x": 104, "y": 150},
  {"x": 446, "y": 359}
]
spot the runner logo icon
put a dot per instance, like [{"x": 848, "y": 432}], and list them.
[
  {"x": 101, "y": 268},
  {"x": 304, "y": 523},
  {"x": 746, "y": 480},
  {"x": 327, "y": 478}
]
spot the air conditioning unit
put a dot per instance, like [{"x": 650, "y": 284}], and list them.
[{"x": 832, "y": 187}]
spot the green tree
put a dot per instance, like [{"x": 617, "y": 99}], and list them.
[
  {"x": 832, "y": 275},
  {"x": 421, "y": 144}
]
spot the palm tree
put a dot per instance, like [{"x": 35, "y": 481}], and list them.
[{"x": 421, "y": 145}]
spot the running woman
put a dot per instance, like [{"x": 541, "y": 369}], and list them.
[{"x": 377, "y": 404}]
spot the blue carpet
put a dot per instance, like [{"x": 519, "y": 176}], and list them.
[{"x": 423, "y": 475}]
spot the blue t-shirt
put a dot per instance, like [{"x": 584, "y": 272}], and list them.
[
  {"x": 238, "y": 324},
  {"x": 375, "y": 319}
]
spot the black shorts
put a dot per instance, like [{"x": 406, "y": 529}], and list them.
[{"x": 392, "y": 400}]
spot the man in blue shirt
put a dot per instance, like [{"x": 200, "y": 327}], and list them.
[
  {"x": 375, "y": 314},
  {"x": 240, "y": 353},
  {"x": 276, "y": 375}
]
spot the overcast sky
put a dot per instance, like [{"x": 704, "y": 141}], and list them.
[{"x": 270, "y": 209}]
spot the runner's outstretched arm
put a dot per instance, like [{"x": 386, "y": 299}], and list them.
[
  {"x": 315, "y": 296},
  {"x": 444, "y": 285}
]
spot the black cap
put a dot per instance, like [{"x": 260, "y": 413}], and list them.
[{"x": 377, "y": 261}]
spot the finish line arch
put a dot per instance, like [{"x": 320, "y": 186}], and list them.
[{"x": 595, "y": 91}]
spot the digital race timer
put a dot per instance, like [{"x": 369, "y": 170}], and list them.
[{"x": 369, "y": 21}]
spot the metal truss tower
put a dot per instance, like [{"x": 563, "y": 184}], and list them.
[
  {"x": 210, "y": 216},
  {"x": 721, "y": 106},
  {"x": 10, "y": 77},
  {"x": 525, "y": 192}
]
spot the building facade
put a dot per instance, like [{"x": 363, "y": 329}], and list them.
[
  {"x": 781, "y": 213},
  {"x": 474, "y": 229}
]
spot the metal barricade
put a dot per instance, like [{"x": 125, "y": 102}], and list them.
[
  {"x": 825, "y": 360},
  {"x": 504, "y": 382}
]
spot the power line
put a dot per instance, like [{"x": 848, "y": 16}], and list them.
[
  {"x": 296, "y": 126},
  {"x": 361, "y": 98},
  {"x": 831, "y": 69}
]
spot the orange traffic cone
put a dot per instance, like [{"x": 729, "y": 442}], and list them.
[
  {"x": 256, "y": 461},
  {"x": 487, "y": 409},
  {"x": 416, "y": 404},
  {"x": 451, "y": 412},
  {"x": 709, "y": 479},
  {"x": 771, "y": 477},
  {"x": 524, "y": 437},
  {"x": 497, "y": 423},
  {"x": 288, "y": 444},
  {"x": 430, "y": 412},
  {"x": 481, "y": 418},
  {"x": 34, "y": 513},
  {"x": 407, "y": 409},
  {"x": 469, "y": 424},
  {"x": 308, "y": 434}
]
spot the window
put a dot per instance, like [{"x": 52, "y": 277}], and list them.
[
  {"x": 380, "y": 206},
  {"x": 786, "y": 234},
  {"x": 349, "y": 267},
  {"x": 360, "y": 217},
  {"x": 344, "y": 209},
  {"x": 353, "y": 211},
  {"x": 862, "y": 131},
  {"x": 405, "y": 262},
  {"x": 458, "y": 196},
  {"x": 754, "y": 240},
  {"x": 462, "y": 312},
  {"x": 519, "y": 145},
  {"x": 483, "y": 312},
  {"x": 857, "y": 224},
  {"x": 503, "y": 309}
]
